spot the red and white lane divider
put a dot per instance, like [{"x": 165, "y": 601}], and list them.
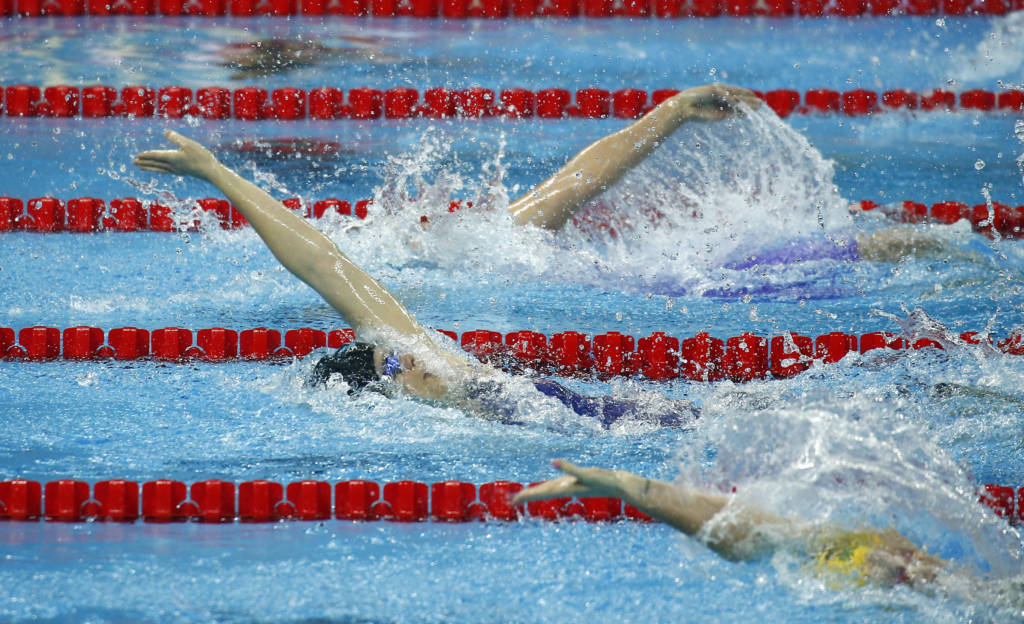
[
  {"x": 999, "y": 218},
  {"x": 90, "y": 214},
  {"x": 657, "y": 357},
  {"x": 290, "y": 104},
  {"x": 69, "y": 500},
  {"x": 461, "y": 9},
  {"x": 216, "y": 501}
]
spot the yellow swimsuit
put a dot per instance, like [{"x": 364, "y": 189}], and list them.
[{"x": 846, "y": 555}]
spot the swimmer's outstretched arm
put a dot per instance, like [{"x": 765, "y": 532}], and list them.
[
  {"x": 301, "y": 248},
  {"x": 685, "y": 509},
  {"x": 605, "y": 161}
]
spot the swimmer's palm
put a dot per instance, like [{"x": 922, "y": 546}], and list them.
[
  {"x": 192, "y": 159},
  {"x": 717, "y": 101},
  {"x": 579, "y": 481}
]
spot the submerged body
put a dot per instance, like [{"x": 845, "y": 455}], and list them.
[
  {"x": 739, "y": 532},
  {"x": 606, "y": 410},
  {"x": 488, "y": 395}
]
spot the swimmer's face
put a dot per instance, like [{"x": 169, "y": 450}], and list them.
[{"x": 414, "y": 378}]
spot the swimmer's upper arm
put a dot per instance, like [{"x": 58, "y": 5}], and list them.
[
  {"x": 605, "y": 161},
  {"x": 301, "y": 248}
]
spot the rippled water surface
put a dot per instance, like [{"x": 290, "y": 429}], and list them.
[{"x": 705, "y": 236}]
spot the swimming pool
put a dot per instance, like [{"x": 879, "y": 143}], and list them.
[{"x": 891, "y": 439}]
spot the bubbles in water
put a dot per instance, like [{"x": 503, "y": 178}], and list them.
[{"x": 979, "y": 164}]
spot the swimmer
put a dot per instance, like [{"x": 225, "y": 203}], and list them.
[
  {"x": 739, "y": 533},
  {"x": 395, "y": 352}
]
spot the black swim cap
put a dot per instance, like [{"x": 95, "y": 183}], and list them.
[{"x": 353, "y": 361}]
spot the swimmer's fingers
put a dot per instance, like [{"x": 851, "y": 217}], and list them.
[
  {"x": 716, "y": 102},
  {"x": 599, "y": 481},
  {"x": 148, "y": 162},
  {"x": 153, "y": 167},
  {"x": 159, "y": 158},
  {"x": 181, "y": 140},
  {"x": 749, "y": 99},
  {"x": 555, "y": 488},
  {"x": 162, "y": 155},
  {"x": 740, "y": 94}
]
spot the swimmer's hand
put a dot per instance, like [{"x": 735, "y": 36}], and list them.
[
  {"x": 715, "y": 102},
  {"x": 191, "y": 160},
  {"x": 579, "y": 482}
]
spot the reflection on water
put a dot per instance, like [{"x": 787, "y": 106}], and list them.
[{"x": 257, "y": 59}]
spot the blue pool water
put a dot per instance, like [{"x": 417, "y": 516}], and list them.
[{"x": 891, "y": 440}]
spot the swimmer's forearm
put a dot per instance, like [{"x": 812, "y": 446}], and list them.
[
  {"x": 682, "y": 509},
  {"x": 737, "y": 537},
  {"x": 292, "y": 239},
  {"x": 314, "y": 258},
  {"x": 599, "y": 166},
  {"x": 301, "y": 248}
]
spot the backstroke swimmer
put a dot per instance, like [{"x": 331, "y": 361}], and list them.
[
  {"x": 394, "y": 351},
  {"x": 740, "y": 532}
]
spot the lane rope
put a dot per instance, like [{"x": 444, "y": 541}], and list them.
[
  {"x": 328, "y": 103},
  {"x": 700, "y": 357},
  {"x": 462, "y": 9},
  {"x": 216, "y": 501},
  {"x": 129, "y": 214}
]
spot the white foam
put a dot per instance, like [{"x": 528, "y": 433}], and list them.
[
  {"x": 998, "y": 56},
  {"x": 710, "y": 195}
]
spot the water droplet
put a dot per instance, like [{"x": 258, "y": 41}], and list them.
[{"x": 979, "y": 164}]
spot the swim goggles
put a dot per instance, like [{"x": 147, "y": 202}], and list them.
[{"x": 391, "y": 367}]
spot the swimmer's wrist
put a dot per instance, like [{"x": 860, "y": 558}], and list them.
[
  {"x": 215, "y": 171},
  {"x": 633, "y": 489}
]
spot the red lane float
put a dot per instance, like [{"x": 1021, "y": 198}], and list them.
[
  {"x": 742, "y": 358},
  {"x": 217, "y": 501},
  {"x": 89, "y": 214},
  {"x": 364, "y": 103},
  {"x": 987, "y": 219}
]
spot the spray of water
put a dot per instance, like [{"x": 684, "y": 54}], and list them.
[
  {"x": 998, "y": 55},
  {"x": 713, "y": 199},
  {"x": 851, "y": 464}
]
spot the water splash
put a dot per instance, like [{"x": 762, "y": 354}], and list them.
[
  {"x": 852, "y": 463},
  {"x": 999, "y": 54},
  {"x": 713, "y": 200}
]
